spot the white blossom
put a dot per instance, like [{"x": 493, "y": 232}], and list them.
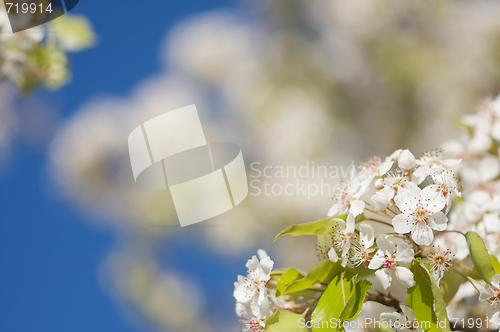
[
  {"x": 446, "y": 185},
  {"x": 405, "y": 322},
  {"x": 479, "y": 172},
  {"x": 342, "y": 236},
  {"x": 421, "y": 214},
  {"x": 441, "y": 262},
  {"x": 347, "y": 198},
  {"x": 432, "y": 163},
  {"x": 376, "y": 167},
  {"x": 392, "y": 261},
  {"x": 251, "y": 290},
  {"x": 492, "y": 295},
  {"x": 362, "y": 249},
  {"x": 453, "y": 242}
]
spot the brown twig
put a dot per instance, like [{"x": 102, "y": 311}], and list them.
[{"x": 385, "y": 299}]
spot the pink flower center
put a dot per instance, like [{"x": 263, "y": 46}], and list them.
[
  {"x": 346, "y": 196},
  {"x": 421, "y": 214},
  {"x": 390, "y": 263},
  {"x": 496, "y": 297},
  {"x": 373, "y": 164},
  {"x": 254, "y": 325}
]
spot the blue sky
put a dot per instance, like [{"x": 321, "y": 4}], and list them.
[{"x": 49, "y": 255}]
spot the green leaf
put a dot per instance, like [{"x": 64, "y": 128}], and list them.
[
  {"x": 317, "y": 274},
  {"x": 334, "y": 300},
  {"x": 278, "y": 272},
  {"x": 480, "y": 256},
  {"x": 451, "y": 283},
  {"x": 424, "y": 297},
  {"x": 496, "y": 265},
  {"x": 287, "y": 278},
  {"x": 361, "y": 271},
  {"x": 282, "y": 321},
  {"x": 74, "y": 32},
  {"x": 356, "y": 302},
  {"x": 439, "y": 306},
  {"x": 311, "y": 228}
]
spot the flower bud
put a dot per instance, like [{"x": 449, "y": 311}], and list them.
[
  {"x": 379, "y": 184},
  {"x": 380, "y": 201},
  {"x": 406, "y": 160}
]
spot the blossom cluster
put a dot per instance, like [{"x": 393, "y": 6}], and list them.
[
  {"x": 408, "y": 197},
  {"x": 411, "y": 196},
  {"x": 251, "y": 293},
  {"x": 479, "y": 208},
  {"x": 36, "y": 56},
  {"x": 479, "y": 149},
  {"x": 394, "y": 211}
]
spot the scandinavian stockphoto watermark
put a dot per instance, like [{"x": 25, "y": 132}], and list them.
[
  {"x": 364, "y": 323},
  {"x": 359, "y": 323},
  {"x": 170, "y": 152},
  {"x": 308, "y": 180}
]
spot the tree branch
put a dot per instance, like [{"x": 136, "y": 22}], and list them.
[{"x": 385, "y": 299}]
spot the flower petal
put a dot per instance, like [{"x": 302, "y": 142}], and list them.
[
  {"x": 377, "y": 260},
  {"x": 486, "y": 293},
  {"x": 392, "y": 317},
  {"x": 407, "y": 198},
  {"x": 267, "y": 265},
  {"x": 489, "y": 168},
  {"x": 404, "y": 254},
  {"x": 493, "y": 314},
  {"x": 357, "y": 207},
  {"x": 381, "y": 199},
  {"x": 337, "y": 209},
  {"x": 252, "y": 264},
  {"x": 408, "y": 313},
  {"x": 438, "y": 221},
  {"x": 332, "y": 255},
  {"x": 367, "y": 235},
  {"x": 422, "y": 234},
  {"x": 451, "y": 162},
  {"x": 244, "y": 293},
  {"x": 385, "y": 277},
  {"x": 420, "y": 174},
  {"x": 405, "y": 276},
  {"x": 491, "y": 222},
  {"x": 388, "y": 247},
  {"x": 403, "y": 223},
  {"x": 324, "y": 244},
  {"x": 345, "y": 249},
  {"x": 385, "y": 167},
  {"x": 262, "y": 309},
  {"x": 255, "y": 306},
  {"x": 432, "y": 199},
  {"x": 495, "y": 281},
  {"x": 261, "y": 253},
  {"x": 241, "y": 310},
  {"x": 350, "y": 224}
]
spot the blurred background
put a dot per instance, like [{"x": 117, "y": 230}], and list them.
[{"x": 290, "y": 81}]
